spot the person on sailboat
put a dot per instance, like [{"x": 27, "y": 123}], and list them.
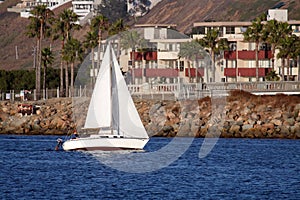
[
  {"x": 74, "y": 135},
  {"x": 59, "y": 144}
]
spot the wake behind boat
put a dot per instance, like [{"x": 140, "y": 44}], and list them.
[{"x": 112, "y": 112}]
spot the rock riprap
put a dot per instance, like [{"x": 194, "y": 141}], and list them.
[{"x": 240, "y": 115}]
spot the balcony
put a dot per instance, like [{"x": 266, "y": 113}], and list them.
[
  {"x": 193, "y": 72},
  {"x": 246, "y": 72},
  {"x": 149, "y": 55},
  {"x": 247, "y": 55},
  {"x": 250, "y": 55},
  {"x": 230, "y": 55},
  {"x": 152, "y": 73},
  {"x": 167, "y": 55}
]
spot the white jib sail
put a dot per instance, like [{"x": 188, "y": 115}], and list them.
[
  {"x": 129, "y": 123},
  {"x": 99, "y": 111}
]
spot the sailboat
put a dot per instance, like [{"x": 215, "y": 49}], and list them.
[{"x": 112, "y": 112}]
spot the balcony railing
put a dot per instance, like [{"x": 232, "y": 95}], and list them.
[
  {"x": 246, "y": 72},
  {"x": 247, "y": 55},
  {"x": 167, "y": 73},
  {"x": 149, "y": 55},
  {"x": 151, "y": 73},
  {"x": 250, "y": 55},
  {"x": 230, "y": 55},
  {"x": 200, "y": 72},
  {"x": 171, "y": 91}
]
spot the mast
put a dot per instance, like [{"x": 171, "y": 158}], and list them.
[
  {"x": 111, "y": 91},
  {"x": 115, "y": 108}
]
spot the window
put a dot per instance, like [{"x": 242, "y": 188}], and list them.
[
  {"x": 230, "y": 30},
  {"x": 232, "y": 46},
  {"x": 221, "y": 32},
  {"x": 181, "y": 66}
]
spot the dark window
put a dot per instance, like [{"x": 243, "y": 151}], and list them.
[
  {"x": 181, "y": 66},
  {"x": 230, "y": 30}
]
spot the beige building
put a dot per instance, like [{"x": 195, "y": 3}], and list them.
[
  {"x": 159, "y": 62},
  {"x": 238, "y": 63}
]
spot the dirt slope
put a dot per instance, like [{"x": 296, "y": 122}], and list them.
[{"x": 16, "y": 48}]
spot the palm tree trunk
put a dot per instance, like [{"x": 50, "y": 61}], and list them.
[
  {"x": 298, "y": 66},
  {"x": 213, "y": 66},
  {"x": 44, "y": 81},
  {"x": 72, "y": 78},
  {"x": 196, "y": 69},
  {"x": 288, "y": 68},
  {"x": 38, "y": 71},
  {"x": 189, "y": 70},
  {"x": 61, "y": 89},
  {"x": 133, "y": 65},
  {"x": 93, "y": 68},
  {"x": 282, "y": 69},
  {"x": 37, "y": 66},
  {"x": 273, "y": 54},
  {"x": 99, "y": 48},
  {"x": 67, "y": 80}
]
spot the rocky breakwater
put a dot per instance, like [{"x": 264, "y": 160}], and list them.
[
  {"x": 240, "y": 115},
  {"x": 50, "y": 117}
]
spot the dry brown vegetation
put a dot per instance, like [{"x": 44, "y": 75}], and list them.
[
  {"x": 181, "y": 12},
  {"x": 277, "y": 101}
]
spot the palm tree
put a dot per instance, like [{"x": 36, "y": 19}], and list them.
[
  {"x": 132, "y": 40},
  {"x": 191, "y": 51},
  {"x": 254, "y": 33},
  {"x": 215, "y": 45},
  {"x": 273, "y": 31},
  {"x": 116, "y": 28},
  {"x": 272, "y": 76},
  {"x": 41, "y": 16},
  {"x": 65, "y": 24},
  {"x": 90, "y": 42},
  {"x": 33, "y": 31},
  {"x": 99, "y": 24},
  {"x": 47, "y": 59},
  {"x": 297, "y": 47},
  {"x": 287, "y": 50},
  {"x": 72, "y": 52}
]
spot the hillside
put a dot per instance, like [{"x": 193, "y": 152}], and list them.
[
  {"x": 17, "y": 49},
  {"x": 184, "y": 13}
]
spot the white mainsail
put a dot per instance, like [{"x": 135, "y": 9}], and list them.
[
  {"x": 99, "y": 111},
  {"x": 111, "y": 103}
]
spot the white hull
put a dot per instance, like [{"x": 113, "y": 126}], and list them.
[{"x": 106, "y": 144}]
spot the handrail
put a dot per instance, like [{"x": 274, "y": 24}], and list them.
[{"x": 177, "y": 90}]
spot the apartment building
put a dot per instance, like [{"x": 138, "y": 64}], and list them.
[
  {"x": 238, "y": 63},
  {"x": 160, "y": 62}
]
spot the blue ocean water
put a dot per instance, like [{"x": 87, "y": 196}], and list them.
[{"x": 234, "y": 169}]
